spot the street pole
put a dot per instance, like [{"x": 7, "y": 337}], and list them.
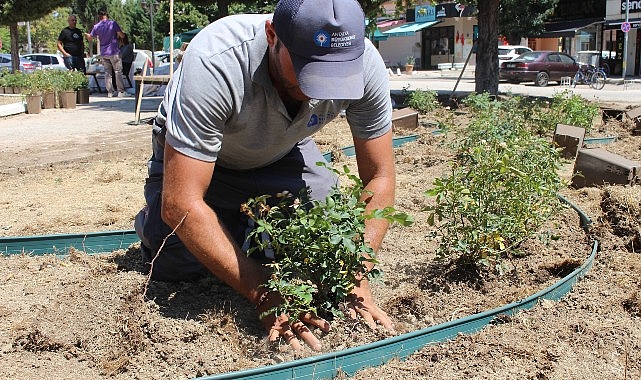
[
  {"x": 151, "y": 4},
  {"x": 151, "y": 20},
  {"x": 625, "y": 39},
  {"x": 29, "y": 50}
]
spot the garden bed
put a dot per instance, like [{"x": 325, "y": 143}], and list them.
[{"x": 84, "y": 316}]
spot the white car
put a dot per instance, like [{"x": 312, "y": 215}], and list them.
[
  {"x": 48, "y": 61},
  {"x": 509, "y": 52}
]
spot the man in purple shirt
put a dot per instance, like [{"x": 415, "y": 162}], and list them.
[{"x": 107, "y": 31}]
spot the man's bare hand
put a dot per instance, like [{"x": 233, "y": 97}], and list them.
[
  {"x": 361, "y": 303},
  {"x": 292, "y": 333}
]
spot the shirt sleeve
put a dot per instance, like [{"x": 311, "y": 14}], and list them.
[
  {"x": 371, "y": 116},
  {"x": 196, "y": 119}
]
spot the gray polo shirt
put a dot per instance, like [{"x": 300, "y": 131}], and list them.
[{"x": 222, "y": 107}]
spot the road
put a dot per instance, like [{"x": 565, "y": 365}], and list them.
[{"x": 444, "y": 83}]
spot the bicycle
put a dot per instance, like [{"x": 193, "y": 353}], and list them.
[{"x": 588, "y": 74}]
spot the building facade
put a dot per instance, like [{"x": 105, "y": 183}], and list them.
[{"x": 432, "y": 35}]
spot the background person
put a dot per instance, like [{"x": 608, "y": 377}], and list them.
[
  {"x": 108, "y": 31},
  {"x": 235, "y": 123},
  {"x": 71, "y": 44},
  {"x": 126, "y": 56}
]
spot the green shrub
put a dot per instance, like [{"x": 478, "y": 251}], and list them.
[
  {"x": 319, "y": 246},
  {"x": 423, "y": 100},
  {"x": 567, "y": 108},
  {"x": 500, "y": 190}
]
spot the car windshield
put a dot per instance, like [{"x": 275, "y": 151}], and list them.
[{"x": 529, "y": 56}]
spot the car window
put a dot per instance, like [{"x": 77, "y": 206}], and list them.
[
  {"x": 554, "y": 58},
  {"x": 566, "y": 59},
  {"x": 530, "y": 56},
  {"x": 522, "y": 50},
  {"x": 504, "y": 51}
]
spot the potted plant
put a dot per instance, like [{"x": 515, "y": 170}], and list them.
[
  {"x": 65, "y": 83},
  {"x": 32, "y": 94},
  {"x": 409, "y": 64},
  {"x": 81, "y": 84},
  {"x": 3, "y": 81},
  {"x": 14, "y": 82},
  {"x": 45, "y": 82}
]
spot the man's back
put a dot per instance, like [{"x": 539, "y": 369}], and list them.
[{"x": 106, "y": 31}]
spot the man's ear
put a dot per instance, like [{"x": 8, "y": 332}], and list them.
[{"x": 271, "y": 33}]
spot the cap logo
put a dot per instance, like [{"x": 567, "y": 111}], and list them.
[
  {"x": 336, "y": 39},
  {"x": 322, "y": 38}
]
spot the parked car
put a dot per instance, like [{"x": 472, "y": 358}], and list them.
[
  {"x": 508, "y": 52},
  {"x": 26, "y": 65},
  {"x": 539, "y": 67},
  {"x": 94, "y": 64},
  {"x": 48, "y": 61}
]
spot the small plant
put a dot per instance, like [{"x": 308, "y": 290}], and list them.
[
  {"x": 567, "y": 108},
  {"x": 501, "y": 189},
  {"x": 423, "y": 100},
  {"x": 79, "y": 80},
  {"x": 410, "y": 60},
  {"x": 319, "y": 246}
]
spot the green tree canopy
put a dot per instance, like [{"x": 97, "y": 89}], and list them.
[
  {"x": 14, "y": 11},
  {"x": 519, "y": 19}
]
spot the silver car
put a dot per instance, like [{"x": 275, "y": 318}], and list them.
[{"x": 26, "y": 65}]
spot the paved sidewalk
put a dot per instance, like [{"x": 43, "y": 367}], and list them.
[{"x": 104, "y": 126}]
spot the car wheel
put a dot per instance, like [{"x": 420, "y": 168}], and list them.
[{"x": 542, "y": 79}]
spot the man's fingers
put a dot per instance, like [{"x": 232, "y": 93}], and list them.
[
  {"x": 287, "y": 334},
  {"x": 315, "y": 321},
  {"x": 307, "y": 336},
  {"x": 367, "y": 317}
]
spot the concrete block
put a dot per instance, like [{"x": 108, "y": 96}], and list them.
[
  {"x": 570, "y": 138},
  {"x": 405, "y": 118},
  {"x": 597, "y": 167}
]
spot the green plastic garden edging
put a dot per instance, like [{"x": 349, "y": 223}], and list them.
[{"x": 328, "y": 365}]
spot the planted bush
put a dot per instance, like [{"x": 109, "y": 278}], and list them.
[
  {"x": 423, "y": 100},
  {"x": 501, "y": 189},
  {"x": 319, "y": 246}
]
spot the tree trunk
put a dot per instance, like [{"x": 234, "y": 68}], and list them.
[
  {"x": 223, "y": 8},
  {"x": 487, "y": 58},
  {"x": 15, "y": 56}
]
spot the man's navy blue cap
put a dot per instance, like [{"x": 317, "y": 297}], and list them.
[{"x": 326, "y": 42}]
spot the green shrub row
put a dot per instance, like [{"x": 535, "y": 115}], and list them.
[{"x": 42, "y": 81}]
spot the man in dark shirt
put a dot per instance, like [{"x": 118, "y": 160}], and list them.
[{"x": 72, "y": 45}]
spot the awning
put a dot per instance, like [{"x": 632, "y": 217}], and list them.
[
  {"x": 388, "y": 23},
  {"x": 378, "y": 36},
  {"x": 566, "y": 28},
  {"x": 616, "y": 24},
  {"x": 409, "y": 29}
]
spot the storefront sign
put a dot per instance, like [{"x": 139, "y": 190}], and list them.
[
  {"x": 454, "y": 10},
  {"x": 635, "y": 6},
  {"x": 425, "y": 13}
]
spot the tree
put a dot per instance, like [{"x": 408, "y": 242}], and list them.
[
  {"x": 521, "y": 19},
  {"x": 14, "y": 11},
  {"x": 486, "y": 74}
]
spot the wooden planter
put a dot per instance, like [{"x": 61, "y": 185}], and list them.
[
  {"x": 82, "y": 96},
  {"x": 33, "y": 104},
  {"x": 67, "y": 99},
  {"x": 49, "y": 100}
]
